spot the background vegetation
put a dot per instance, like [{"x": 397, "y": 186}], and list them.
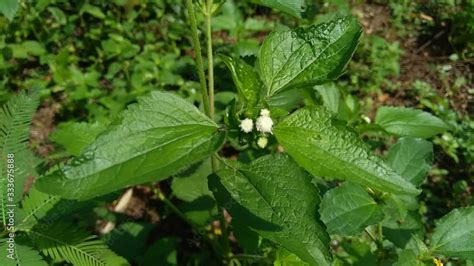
[{"x": 90, "y": 59}]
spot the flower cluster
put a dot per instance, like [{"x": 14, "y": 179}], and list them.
[{"x": 263, "y": 124}]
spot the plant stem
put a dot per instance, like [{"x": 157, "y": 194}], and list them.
[
  {"x": 175, "y": 209},
  {"x": 199, "y": 62},
  {"x": 210, "y": 59}
]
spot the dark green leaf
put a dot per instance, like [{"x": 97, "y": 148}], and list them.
[
  {"x": 156, "y": 138},
  {"x": 162, "y": 252},
  {"x": 409, "y": 122},
  {"x": 192, "y": 184},
  {"x": 307, "y": 56},
  {"x": 348, "y": 209},
  {"x": 276, "y": 199},
  {"x": 293, "y": 7},
  {"x": 325, "y": 148},
  {"x": 411, "y": 158},
  {"x": 454, "y": 234}
]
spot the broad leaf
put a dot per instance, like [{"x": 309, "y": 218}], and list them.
[
  {"x": 409, "y": 122},
  {"x": 9, "y": 8},
  {"x": 285, "y": 258},
  {"x": 348, "y": 209},
  {"x": 75, "y": 136},
  {"x": 454, "y": 234},
  {"x": 411, "y": 158},
  {"x": 293, "y": 7},
  {"x": 156, "y": 138},
  {"x": 408, "y": 258},
  {"x": 192, "y": 184},
  {"x": 275, "y": 198},
  {"x": 246, "y": 80},
  {"x": 304, "y": 57},
  {"x": 326, "y": 148}
]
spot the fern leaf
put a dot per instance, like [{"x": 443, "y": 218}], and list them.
[
  {"x": 22, "y": 255},
  {"x": 15, "y": 119},
  {"x": 35, "y": 206},
  {"x": 62, "y": 241}
]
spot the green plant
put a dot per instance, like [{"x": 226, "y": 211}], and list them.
[{"x": 302, "y": 188}]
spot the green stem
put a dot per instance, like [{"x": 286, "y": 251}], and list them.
[
  {"x": 199, "y": 62},
  {"x": 178, "y": 212},
  {"x": 210, "y": 59}
]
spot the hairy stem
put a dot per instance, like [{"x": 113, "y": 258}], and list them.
[
  {"x": 199, "y": 62},
  {"x": 210, "y": 59}
]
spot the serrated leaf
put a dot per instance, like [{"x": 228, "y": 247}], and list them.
[
  {"x": 246, "y": 80},
  {"x": 75, "y": 136},
  {"x": 156, "y": 138},
  {"x": 454, "y": 234},
  {"x": 9, "y": 8},
  {"x": 348, "y": 209},
  {"x": 411, "y": 158},
  {"x": 294, "y": 7},
  {"x": 404, "y": 121},
  {"x": 305, "y": 57},
  {"x": 326, "y": 148},
  {"x": 275, "y": 198}
]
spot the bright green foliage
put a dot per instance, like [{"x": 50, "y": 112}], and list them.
[
  {"x": 454, "y": 234},
  {"x": 156, "y": 138},
  {"x": 326, "y": 148},
  {"x": 408, "y": 258},
  {"x": 294, "y": 7},
  {"x": 75, "y": 246},
  {"x": 9, "y": 8},
  {"x": 192, "y": 184},
  {"x": 82, "y": 133},
  {"x": 275, "y": 198},
  {"x": 348, "y": 209},
  {"x": 304, "y": 57},
  {"x": 35, "y": 206},
  {"x": 285, "y": 258},
  {"x": 409, "y": 122},
  {"x": 15, "y": 119},
  {"x": 411, "y": 158},
  {"x": 23, "y": 255}
]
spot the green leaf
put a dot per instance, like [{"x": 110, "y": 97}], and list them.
[
  {"x": 408, "y": 258},
  {"x": 246, "y": 80},
  {"x": 330, "y": 95},
  {"x": 62, "y": 241},
  {"x": 409, "y": 122},
  {"x": 348, "y": 209},
  {"x": 285, "y": 258},
  {"x": 276, "y": 199},
  {"x": 305, "y": 57},
  {"x": 92, "y": 10},
  {"x": 454, "y": 234},
  {"x": 157, "y": 137},
  {"x": 75, "y": 136},
  {"x": 326, "y": 148},
  {"x": 20, "y": 255},
  {"x": 162, "y": 252},
  {"x": 400, "y": 231},
  {"x": 192, "y": 184},
  {"x": 9, "y": 8},
  {"x": 293, "y": 7},
  {"x": 129, "y": 240},
  {"x": 411, "y": 158}
]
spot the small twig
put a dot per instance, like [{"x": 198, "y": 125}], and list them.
[{"x": 429, "y": 42}]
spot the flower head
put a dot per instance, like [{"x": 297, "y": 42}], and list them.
[
  {"x": 264, "y": 124},
  {"x": 262, "y": 142},
  {"x": 246, "y": 125},
  {"x": 265, "y": 112}
]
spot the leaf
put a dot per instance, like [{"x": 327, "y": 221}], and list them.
[
  {"x": 348, "y": 209},
  {"x": 399, "y": 231},
  {"x": 162, "y": 252},
  {"x": 411, "y": 158},
  {"x": 92, "y": 10},
  {"x": 156, "y": 138},
  {"x": 62, "y": 241},
  {"x": 20, "y": 255},
  {"x": 192, "y": 184},
  {"x": 408, "y": 258},
  {"x": 454, "y": 234},
  {"x": 305, "y": 57},
  {"x": 294, "y": 7},
  {"x": 129, "y": 240},
  {"x": 9, "y": 8},
  {"x": 75, "y": 136},
  {"x": 15, "y": 119},
  {"x": 325, "y": 148},
  {"x": 285, "y": 258},
  {"x": 330, "y": 95},
  {"x": 276, "y": 199},
  {"x": 409, "y": 122},
  {"x": 246, "y": 80}
]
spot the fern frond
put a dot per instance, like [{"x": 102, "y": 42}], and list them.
[
  {"x": 62, "y": 241},
  {"x": 22, "y": 255},
  {"x": 15, "y": 119},
  {"x": 35, "y": 206}
]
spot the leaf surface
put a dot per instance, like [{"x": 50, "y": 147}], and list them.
[
  {"x": 305, "y": 57},
  {"x": 276, "y": 199},
  {"x": 294, "y": 7},
  {"x": 9, "y": 8},
  {"x": 326, "y": 148},
  {"x": 156, "y": 138}
]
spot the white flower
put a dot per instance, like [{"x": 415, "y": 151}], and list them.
[
  {"x": 246, "y": 125},
  {"x": 265, "y": 112},
  {"x": 262, "y": 142},
  {"x": 264, "y": 124}
]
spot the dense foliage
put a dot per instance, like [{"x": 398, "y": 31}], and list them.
[{"x": 259, "y": 132}]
